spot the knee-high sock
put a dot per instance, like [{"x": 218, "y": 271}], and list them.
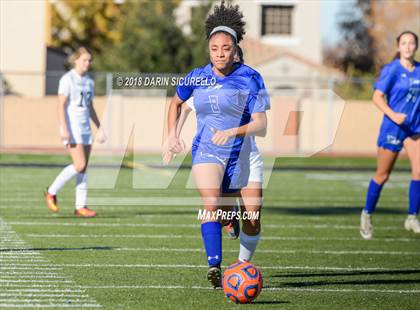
[
  {"x": 65, "y": 175},
  {"x": 81, "y": 190},
  {"x": 247, "y": 246},
  {"x": 372, "y": 196},
  {"x": 212, "y": 238},
  {"x": 414, "y": 197}
]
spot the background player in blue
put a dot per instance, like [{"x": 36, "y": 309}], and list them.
[
  {"x": 228, "y": 112},
  {"x": 397, "y": 95}
]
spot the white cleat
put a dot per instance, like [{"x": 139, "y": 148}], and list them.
[
  {"x": 366, "y": 228},
  {"x": 412, "y": 223}
]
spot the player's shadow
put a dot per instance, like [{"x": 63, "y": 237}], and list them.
[
  {"x": 348, "y": 282},
  {"x": 270, "y": 302},
  {"x": 348, "y": 273},
  {"x": 93, "y": 248},
  {"x": 327, "y": 210},
  {"x": 354, "y": 282}
]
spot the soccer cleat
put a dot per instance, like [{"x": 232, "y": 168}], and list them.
[
  {"x": 214, "y": 276},
  {"x": 366, "y": 228},
  {"x": 85, "y": 212},
  {"x": 412, "y": 223},
  {"x": 51, "y": 201}
]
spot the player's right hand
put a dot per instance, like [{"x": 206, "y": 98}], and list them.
[
  {"x": 176, "y": 145},
  {"x": 398, "y": 118},
  {"x": 65, "y": 135}
]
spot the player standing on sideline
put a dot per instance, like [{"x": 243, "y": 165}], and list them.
[
  {"x": 251, "y": 194},
  {"x": 397, "y": 95},
  {"x": 222, "y": 146},
  {"x": 75, "y": 107}
]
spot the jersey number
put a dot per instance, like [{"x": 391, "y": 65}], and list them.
[
  {"x": 88, "y": 98},
  {"x": 214, "y": 103}
]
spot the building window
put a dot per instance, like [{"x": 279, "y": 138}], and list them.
[{"x": 276, "y": 19}]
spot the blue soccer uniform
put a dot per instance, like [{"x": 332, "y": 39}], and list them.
[
  {"x": 402, "y": 90},
  {"x": 224, "y": 103}
]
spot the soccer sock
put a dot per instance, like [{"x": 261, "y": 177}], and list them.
[
  {"x": 247, "y": 246},
  {"x": 372, "y": 196},
  {"x": 414, "y": 197},
  {"x": 81, "y": 190},
  {"x": 212, "y": 238},
  {"x": 65, "y": 175}
]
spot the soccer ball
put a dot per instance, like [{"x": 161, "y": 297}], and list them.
[{"x": 242, "y": 282}]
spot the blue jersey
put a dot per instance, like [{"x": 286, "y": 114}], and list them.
[
  {"x": 402, "y": 90},
  {"x": 263, "y": 95},
  {"x": 222, "y": 103}
]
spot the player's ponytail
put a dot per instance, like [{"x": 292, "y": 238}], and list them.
[
  {"x": 416, "y": 39},
  {"x": 77, "y": 53}
]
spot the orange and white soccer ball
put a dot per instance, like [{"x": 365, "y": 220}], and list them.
[{"x": 242, "y": 282}]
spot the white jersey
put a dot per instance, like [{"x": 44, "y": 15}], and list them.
[{"x": 80, "y": 92}]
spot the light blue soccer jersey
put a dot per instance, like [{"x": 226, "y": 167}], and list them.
[
  {"x": 223, "y": 103},
  {"x": 402, "y": 89}
]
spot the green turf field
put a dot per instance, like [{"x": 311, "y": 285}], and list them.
[{"x": 139, "y": 256}]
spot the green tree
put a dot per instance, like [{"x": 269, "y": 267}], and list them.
[
  {"x": 197, "y": 39},
  {"x": 357, "y": 42},
  {"x": 150, "y": 40},
  {"x": 84, "y": 22}
]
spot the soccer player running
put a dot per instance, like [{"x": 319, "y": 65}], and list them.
[
  {"x": 397, "y": 95},
  {"x": 228, "y": 113},
  {"x": 75, "y": 107},
  {"x": 251, "y": 194}
]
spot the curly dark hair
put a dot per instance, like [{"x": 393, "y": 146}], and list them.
[{"x": 226, "y": 15}]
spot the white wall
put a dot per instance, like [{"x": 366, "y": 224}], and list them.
[
  {"x": 22, "y": 45},
  {"x": 306, "y": 26}
]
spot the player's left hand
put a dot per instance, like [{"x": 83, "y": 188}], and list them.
[
  {"x": 100, "y": 136},
  {"x": 221, "y": 137},
  {"x": 167, "y": 157}
]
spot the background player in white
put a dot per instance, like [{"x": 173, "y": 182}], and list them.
[{"x": 75, "y": 108}]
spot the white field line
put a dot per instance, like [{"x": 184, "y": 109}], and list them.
[
  {"x": 50, "y": 305},
  {"x": 31, "y": 286},
  {"x": 35, "y": 281},
  {"x": 168, "y": 202},
  {"x": 33, "y": 290},
  {"x": 36, "y": 273},
  {"x": 42, "y": 295},
  {"x": 145, "y": 236},
  {"x": 190, "y": 266},
  {"x": 15, "y": 281},
  {"x": 64, "y": 301},
  {"x": 163, "y": 225},
  {"x": 27, "y": 260},
  {"x": 32, "y": 267},
  {"x": 326, "y": 252},
  {"x": 168, "y": 287},
  {"x": 105, "y": 199},
  {"x": 32, "y": 276}
]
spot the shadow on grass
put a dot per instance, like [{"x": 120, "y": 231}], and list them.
[
  {"x": 322, "y": 210},
  {"x": 347, "y": 282},
  {"x": 270, "y": 302},
  {"x": 94, "y": 248},
  {"x": 353, "y": 282},
  {"x": 352, "y": 273}
]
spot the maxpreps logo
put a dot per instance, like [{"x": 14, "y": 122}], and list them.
[{"x": 392, "y": 140}]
